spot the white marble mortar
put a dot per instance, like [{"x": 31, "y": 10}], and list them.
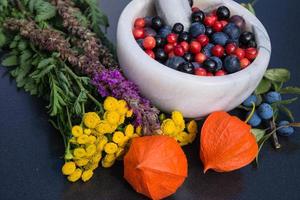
[{"x": 171, "y": 90}]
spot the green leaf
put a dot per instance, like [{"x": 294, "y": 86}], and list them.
[
  {"x": 290, "y": 90},
  {"x": 263, "y": 87},
  {"x": 285, "y": 102},
  {"x": 258, "y": 133},
  {"x": 249, "y": 7},
  {"x": 39, "y": 74},
  {"x": 278, "y": 75},
  {"x": 277, "y": 86},
  {"x": 2, "y": 39},
  {"x": 286, "y": 111},
  {"x": 9, "y": 61}
]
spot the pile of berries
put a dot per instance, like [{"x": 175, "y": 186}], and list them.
[
  {"x": 265, "y": 112},
  {"x": 215, "y": 45}
]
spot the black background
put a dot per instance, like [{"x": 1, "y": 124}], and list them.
[{"x": 31, "y": 150}]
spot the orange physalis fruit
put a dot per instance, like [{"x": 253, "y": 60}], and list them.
[
  {"x": 226, "y": 143},
  {"x": 155, "y": 166}
]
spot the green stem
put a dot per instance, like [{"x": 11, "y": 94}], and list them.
[
  {"x": 69, "y": 118},
  {"x": 274, "y": 135},
  {"x": 251, "y": 114}
]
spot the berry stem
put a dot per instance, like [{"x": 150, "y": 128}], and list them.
[
  {"x": 252, "y": 113},
  {"x": 274, "y": 135}
]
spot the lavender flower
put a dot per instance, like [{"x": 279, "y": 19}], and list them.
[{"x": 112, "y": 82}]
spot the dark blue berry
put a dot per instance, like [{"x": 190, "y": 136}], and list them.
[
  {"x": 265, "y": 111},
  {"x": 184, "y": 36},
  {"x": 160, "y": 55},
  {"x": 209, "y": 31},
  {"x": 196, "y": 65},
  {"x": 232, "y": 64},
  {"x": 223, "y": 13},
  {"x": 232, "y": 30},
  {"x": 186, "y": 67},
  {"x": 165, "y": 31},
  {"x": 272, "y": 97},
  {"x": 160, "y": 41},
  {"x": 210, "y": 65},
  {"x": 251, "y": 99},
  {"x": 174, "y": 62},
  {"x": 178, "y": 28},
  {"x": 140, "y": 43},
  {"x": 207, "y": 49},
  {"x": 197, "y": 29},
  {"x": 286, "y": 131},
  {"x": 150, "y": 32},
  {"x": 218, "y": 62},
  {"x": 220, "y": 38},
  {"x": 246, "y": 37},
  {"x": 188, "y": 57},
  {"x": 255, "y": 120},
  {"x": 157, "y": 23},
  {"x": 198, "y": 16}
]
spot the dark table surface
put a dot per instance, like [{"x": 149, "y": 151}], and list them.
[{"x": 31, "y": 150}]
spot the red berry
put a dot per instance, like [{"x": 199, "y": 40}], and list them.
[
  {"x": 172, "y": 38},
  {"x": 224, "y": 23},
  {"x": 185, "y": 45},
  {"x": 171, "y": 54},
  {"x": 209, "y": 74},
  {"x": 203, "y": 39},
  {"x": 230, "y": 48},
  {"x": 200, "y": 57},
  {"x": 218, "y": 26},
  {"x": 200, "y": 71},
  {"x": 240, "y": 53},
  {"x": 150, "y": 53},
  {"x": 251, "y": 53},
  {"x": 218, "y": 50},
  {"x": 168, "y": 48},
  {"x": 195, "y": 9},
  {"x": 195, "y": 47},
  {"x": 210, "y": 20},
  {"x": 178, "y": 50},
  {"x": 139, "y": 23},
  {"x": 245, "y": 63},
  {"x": 149, "y": 42},
  {"x": 220, "y": 73},
  {"x": 138, "y": 33}
]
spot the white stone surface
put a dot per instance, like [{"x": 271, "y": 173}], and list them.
[{"x": 171, "y": 90}]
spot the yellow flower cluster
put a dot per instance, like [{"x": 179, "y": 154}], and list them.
[
  {"x": 177, "y": 128},
  {"x": 99, "y": 139}
]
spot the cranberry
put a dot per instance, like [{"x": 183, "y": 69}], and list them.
[
  {"x": 203, "y": 39},
  {"x": 230, "y": 48},
  {"x": 220, "y": 73},
  {"x": 224, "y": 22},
  {"x": 218, "y": 26},
  {"x": 218, "y": 50},
  {"x": 140, "y": 23},
  {"x": 245, "y": 63},
  {"x": 240, "y": 53},
  {"x": 168, "y": 48},
  {"x": 138, "y": 33},
  {"x": 251, "y": 53},
  {"x": 172, "y": 38},
  {"x": 195, "y": 9},
  {"x": 150, "y": 53},
  {"x": 185, "y": 45},
  {"x": 178, "y": 50},
  {"x": 149, "y": 42},
  {"x": 171, "y": 54},
  {"x": 209, "y": 74},
  {"x": 210, "y": 20},
  {"x": 200, "y": 57},
  {"x": 195, "y": 47},
  {"x": 200, "y": 71}
]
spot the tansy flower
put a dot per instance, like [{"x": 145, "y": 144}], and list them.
[
  {"x": 104, "y": 127},
  {"x": 92, "y": 166},
  {"x": 122, "y": 107},
  {"x": 73, "y": 140},
  {"x": 109, "y": 158},
  {"x": 118, "y": 137},
  {"x": 81, "y": 162},
  {"x": 110, "y": 148},
  {"x": 87, "y": 175},
  {"x": 75, "y": 175},
  {"x": 112, "y": 117},
  {"x": 124, "y": 141},
  {"x": 79, "y": 152},
  {"x": 83, "y": 139},
  {"x": 102, "y": 143},
  {"x": 77, "y": 131},
  {"x": 129, "y": 113},
  {"x": 122, "y": 119},
  {"x": 110, "y": 104},
  {"x": 192, "y": 127},
  {"x": 168, "y": 127},
  {"x": 91, "y": 119},
  {"x": 138, "y": 130},
  {"x": 87, "y": 131},
  {"x": 183, "y": 138},
  {"x": 192, "y": 137},
  {"x": 91, "y": 139},
  {"x": 106, "y": 164},
  {"x": 120, "y": 152},
  {"x": 90, "y": 150},
  {"x": 129, "y": 130},
  {"x": 68, "y": 168},
  {"x": 178, "y": 120},
  {"x": 97, "y": 157}
]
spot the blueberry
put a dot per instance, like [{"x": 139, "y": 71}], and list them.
[
  {"x": 239, "y": 21},
  {"x": 232, "y": 64},
  {"x": 140, "y": 43},
  {"x": 209, "y": 31},
  {"x": 287, "y": 131},
  {"x": 174, "y": 62},
  {"x": 220, "y": 38},
  {"x": 210, "y": 65},
  {"x": 207, "y": 49},
  {"x": 157, "y": 23},
  {"x": 246, "y": 37},
  {"x": 232, "y": 30},
  {"x": 148, "y": 20},
  {"x": 249, "y": 100},
  {"x": 265, "y": 111},
  {"x": 188, "y": 57},
  {"x": 196, "y": 65},
  {"x": 223, "y": 13},
  {"x": 178, "y": 28},
  {"x": 186, "y": 67},
  {"x": 150, "y": 32},
  {"x": 197, "y": 29},
  {"x": 272, "y": 97},
  {"x": 218, "y": 62},
  {"x": 255, "y": 120},
  {"x": 165, "y": 31},
  {"x": 251, "y": 44},
  {"x": 184, "y": 36},
  {"x": 160, "y": 41},
  {"x": 160, "y": 55},
  {"x": 198, "y": 16}
]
